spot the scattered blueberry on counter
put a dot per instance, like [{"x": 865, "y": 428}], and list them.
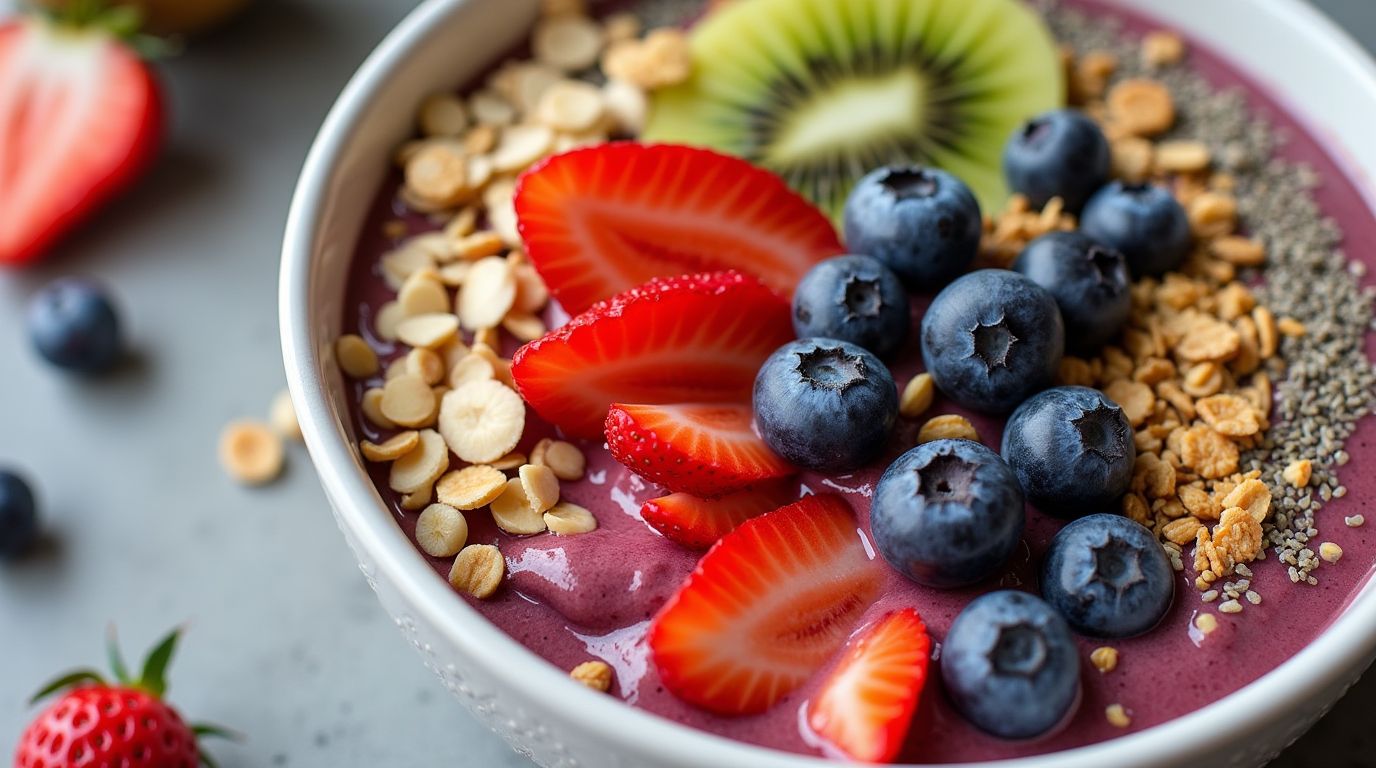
[
  {"x": 18, "y": 516},
  {"x": 947, "y": 514},
  {"x": 1010, "y": 665},
  {"x": 826, "y": 405},
  {"x": 992, "y": 339},
  {"x": 1072, "y": 450},
  {"x": 855, "y": 299},
  {"x": 1089, "y": 282},
  {"x": 1057, "y": 154},
  {"x": 73, "y": 325},
  {"x": 924, "y": 223},
  {"x": 1144, "y": 222},
  {"x": 1108, "y": 576}
]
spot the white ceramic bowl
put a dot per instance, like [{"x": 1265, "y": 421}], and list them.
[{"x": 1321, "y": 75}]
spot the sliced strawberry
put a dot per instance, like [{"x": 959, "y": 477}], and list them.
[
  {"x": 690, "y": 339},
  {"x": 704, "y": 449},
  {"x": 602, "y": 220},
  {"x": 867, "y": 704},
  {"x": 80, "y": 119},
  {"x": 698, "y": 523},
  {"x": 765, "y": 608}
]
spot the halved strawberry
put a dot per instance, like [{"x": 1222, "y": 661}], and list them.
[
  {"x": 706, "y": 449},
  {"x": 689, "y": 339},
  {"x": 698, "y": 523},
  {"x": 604, "y": 219},
  {"x": 867, "y": 704},
  {"x": 765, "y": 608},
  {"x": 80, "y": 119}
]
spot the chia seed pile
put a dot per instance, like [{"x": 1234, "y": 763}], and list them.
[{"x": 1324, "y": 381}]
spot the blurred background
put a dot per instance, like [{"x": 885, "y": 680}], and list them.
[{"x": 286, "y": 643}]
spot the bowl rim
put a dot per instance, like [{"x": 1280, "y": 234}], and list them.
[{"x": 1347, "y": 642}]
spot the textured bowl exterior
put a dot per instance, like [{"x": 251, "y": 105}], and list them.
[{"x": 534, "y": 706}]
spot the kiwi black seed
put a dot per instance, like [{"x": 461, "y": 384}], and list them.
[{"x": 824, "y": 91}]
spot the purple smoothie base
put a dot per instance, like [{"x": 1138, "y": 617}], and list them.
[{"x": 573, "y": 598}]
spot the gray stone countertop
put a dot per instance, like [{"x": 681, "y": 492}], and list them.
[{"x": 286, "y": 642}]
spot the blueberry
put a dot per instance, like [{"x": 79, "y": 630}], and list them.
[
  {"x": 947, "y": 514},
  {"x": 825, "y": 405},
  {"x": 18, "y": 516},
  {"x": 1108, "y": 576},
  {"x": 1089, "y": 282},
  {"x": 855, "y": 299},
  {"x": 923, "y": 222},
  {"x": 73, "y": 325},
  {"x": 1072, "y": 450},
  {"x": 992, "y": 339},
  {"x": 1141, "y": 221},
  {"x": 1057, "y": 154},
  {"x": 1010, "y": 665}
]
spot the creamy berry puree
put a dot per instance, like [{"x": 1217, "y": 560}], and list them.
[{"x": 592, "y": 596}]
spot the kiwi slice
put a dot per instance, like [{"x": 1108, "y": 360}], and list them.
[{"x": 823, "y": 91}]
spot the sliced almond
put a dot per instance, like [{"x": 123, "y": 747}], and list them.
[
  {"x": 541, "y": 487},
  {"x": 429, "y": 331},
  {"x": 661, "y": 60},
  {"x": 568, "y": 42},
  {"x": 356, "y": 358},
  {"x": 513, "y": 513},
  {"x": 565, "y": 460},
  {"x": 471, "y": 487},
  {"x": 480, "y": 171},
  {"x": 408, "y": 400},
  {"x": 627, "y": 105},
  {"x": 399, "y": 264},
  {"x": 482, "y": 421},
  {"x": 537, "y": 454},
  {"x": 501, "y": 368},
  {"x": 520, "y": 146},
  {"x": 418, "y": 499},
  {"x": 487, "y": 295},
  {"x": 486, "y": 337},
  {"x": 282, "y": 416},
  {"x": 471, "y": 368},
  {"x": 479, "y": 245},
  {"x": 621, "y": 26},
  {"x": 397, "y": 367},
  {"x": 421, "y": 467},
  {"x": 372, "y": 409},
  {"x": 442, "y": 114},
  {"x": 441, "y": 530},
  {"x": 388, "y": 317},
  {"x": 453, "y": 275},
  {"x": 568, "y": 519},
  {"x": 251, "y": 452},
  {"x": 394, "y": 448},
  {"x": 1182, "y": 156},
  {"x": 478, "y": 570},
  {"x": 531, "y": 294},
  {"x": 427, "y": 364},
  {"x": 523, "y": 326},
  {"x": 526, "y": 82},
  {"x": 513, "y": 460},
  {"x": 480, "y": 141},
  {"x": 571, "y": 106},
  {"x": 491, "y": 109},
  {"x": 423, "y": 294},
  {"x": 917, "y": 396},
  {"x": 438, "y": 174},
  {"x": 567, "y": 142}
]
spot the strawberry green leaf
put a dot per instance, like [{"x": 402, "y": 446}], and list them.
[
  {"x": 67, "y": 681},
  {"x": 120, "y": 671},
  {"x": 219, "y": 732},
  {"x": 153, "y": 679}
]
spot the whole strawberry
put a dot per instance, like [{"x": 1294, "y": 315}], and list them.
[{"x": 96, "y": 724}]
